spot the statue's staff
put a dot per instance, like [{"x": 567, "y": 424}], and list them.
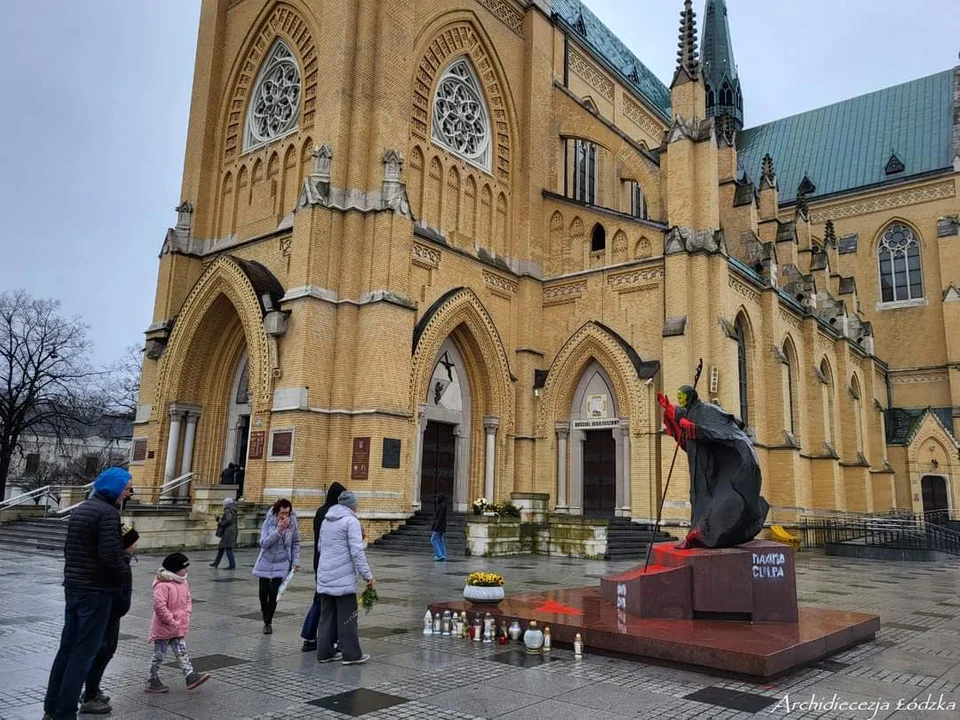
[{"x": 666, "y": 487}]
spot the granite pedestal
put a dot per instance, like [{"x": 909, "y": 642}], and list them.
[{"x": 732, "y": 610}]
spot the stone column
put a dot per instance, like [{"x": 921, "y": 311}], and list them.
[
  {"x": 190, "y": 434},
  {"x": 576, "y": 472},
  {"x": 563, "y": 432},
  {"x": 490, "y": 425},
  {"x": 461, "y": 486},
  {"x": 618, "y": 459},
  {"x": 627, "y": 506},
  {"x": 418, "y": 458},
  {"x": 173, "y": 444}
]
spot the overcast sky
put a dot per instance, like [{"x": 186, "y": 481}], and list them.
[{"x": 96, "y": 98}]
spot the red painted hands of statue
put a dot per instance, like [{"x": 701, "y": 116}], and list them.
[{"x": 688, "y": 428}]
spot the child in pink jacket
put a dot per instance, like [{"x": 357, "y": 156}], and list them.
[{"x": 172, "y": 606}]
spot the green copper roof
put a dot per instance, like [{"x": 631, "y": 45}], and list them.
[
  {"x": 608, "y": 46},
  {"x": 719, "y": 66},
  {"x": 849, "y": 144}
]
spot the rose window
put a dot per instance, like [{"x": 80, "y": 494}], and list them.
[
  {"x": 275, "y": 105},
  {"x": 460, "y": 119}
]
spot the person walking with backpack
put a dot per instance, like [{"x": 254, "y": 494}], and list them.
[
  {"x": 279, "y": 554},
  {"x": 438, "y": 530},
  {"x": 341, "y": 559},
  {"x": 310, "y": 623},
  {"x": 94, "y": 571},
  {"x": 227, "y": 532}
]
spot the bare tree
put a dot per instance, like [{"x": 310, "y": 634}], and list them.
[
  {"x": 121, "y": 383},
  {"x": 45, "y": 374}
]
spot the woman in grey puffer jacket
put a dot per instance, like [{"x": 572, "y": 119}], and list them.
[
  {"x": 279, "y": 553},
  {"x": 341, "y": 559}
]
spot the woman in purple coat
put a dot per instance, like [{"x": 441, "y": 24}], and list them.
[{"x": 279, "y": 553}]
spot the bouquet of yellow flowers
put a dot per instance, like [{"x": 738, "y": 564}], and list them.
[{"x": 484, "y": 579}]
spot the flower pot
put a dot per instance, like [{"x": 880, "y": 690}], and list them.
[{"x": 483, "y": 595}]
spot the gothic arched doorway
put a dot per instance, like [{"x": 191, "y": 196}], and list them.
[
  {"x": 445, "y": 427},
  {"x": 934, "y": 489},
  {"x": 596, "y": 465}
]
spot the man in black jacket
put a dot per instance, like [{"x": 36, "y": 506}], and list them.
[{"x": 94, "y": 571}]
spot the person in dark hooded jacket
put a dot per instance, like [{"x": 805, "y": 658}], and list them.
[
  {"x": 95, "y": 570},
  {"x": 95, "y": 702},
  {"x": 726, "y": 508},
  {"x": 312, "y": 621}
]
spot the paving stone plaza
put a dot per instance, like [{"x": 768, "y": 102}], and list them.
[{"x": 915, "y": 655}]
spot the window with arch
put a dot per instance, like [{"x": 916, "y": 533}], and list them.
[
  {"x": 829, "y": 436},
  {"x": 598, "y": 238},
  {"x": 461, "y": 122},
  {"x": 638, "y": 203},
  {"x": 857, "y": 396},
  {"x": 585, "y": 171},
  {"x": 901, "y": 277},
  {"x": 742, "y": 370},
  {"x": 789, "y": 388},
  {"x": 274, "y": 109}
]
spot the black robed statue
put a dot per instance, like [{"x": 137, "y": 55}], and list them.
[{"x": 725, "y": 501}]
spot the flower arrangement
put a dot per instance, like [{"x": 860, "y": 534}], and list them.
[
  {"x": 368, "y": 599},
  {"x": 506, "y": 510},
  {"x": 479, "y": 506},
  {"x": 484, "y": 579}
]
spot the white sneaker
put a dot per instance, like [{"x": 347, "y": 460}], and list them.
[
  {"x": 363, "y": 659},
  {"x": 333, "y": 658}
]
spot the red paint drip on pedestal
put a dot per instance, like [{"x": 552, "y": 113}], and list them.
[{"x": 552, "y": 606}]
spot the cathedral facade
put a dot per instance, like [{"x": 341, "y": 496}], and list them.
[{"x": 458, "y": 246}]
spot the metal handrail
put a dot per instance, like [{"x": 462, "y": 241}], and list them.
[
  {"x": 173, "y": 485},
  {"x": 908, "y": 531},
  {"x": 70, "y": 508},
  {"x": 47, "y": 492}
]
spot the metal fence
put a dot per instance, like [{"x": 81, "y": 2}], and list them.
[{"x": 893, "y": 529}]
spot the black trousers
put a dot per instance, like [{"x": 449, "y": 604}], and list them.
[
  {"x": 110, "y": 639},
  {"x": 268, "y": 598},
  {"x": 338, "y": 620}
]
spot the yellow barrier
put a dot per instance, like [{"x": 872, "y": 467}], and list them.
[{"x": 780, "y": 534}]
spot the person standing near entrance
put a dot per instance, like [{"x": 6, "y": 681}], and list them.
[
  {"x": 228, "y": 476},
  {"x": 279, "y": 553},
  {"x": 310, "y": 623},
  {"x": 94, "y": 571},
  {"x": 238, "y": 476},
  {"x": 438, "y": 530},
  {"x": 227, "y": 530},
  {"x": 341, "y": 559}
]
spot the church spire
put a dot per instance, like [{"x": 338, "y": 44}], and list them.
[
  {"x": 688, "y": 59},
  {"x": 724, "y": 96}
]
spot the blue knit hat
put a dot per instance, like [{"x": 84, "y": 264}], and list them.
[{"x": 111, "y": 482}]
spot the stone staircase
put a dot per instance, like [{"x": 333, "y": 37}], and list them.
[
  {"x": 626, "y": 539},
  {"x": 414, "y": 535},
  {"x": 44, "y": 535}
]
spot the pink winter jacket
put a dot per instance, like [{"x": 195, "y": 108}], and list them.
[{"x": 172, "y": 606}]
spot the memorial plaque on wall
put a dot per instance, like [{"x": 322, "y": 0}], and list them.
[
  {"x": 360, "y": 465},
  {"x": 391, "y": 453},
  {"x": 256, "y": 445},
  {"x": 282, "y": 444}
]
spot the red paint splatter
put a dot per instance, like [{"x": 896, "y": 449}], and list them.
[{"x": 552, "y": 606}]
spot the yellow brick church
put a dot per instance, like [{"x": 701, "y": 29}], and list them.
[{"x": 458, "y": 246}]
